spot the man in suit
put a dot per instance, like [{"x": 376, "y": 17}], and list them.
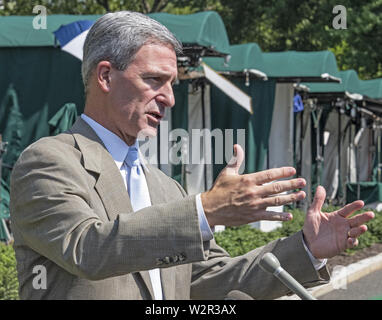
[{"x": 106, "y": 225}]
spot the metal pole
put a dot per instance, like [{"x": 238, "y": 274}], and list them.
[
  {"x": 301, "y": 141},
  {"x": 357, "y": 150},
  {"x": 339, "y": 192},
  {"x": 379, "y": 155},
  {"x": 2, "y": 150},
  {"x": 357, "y": 168},
  {"x": 318, "y": 146},
  {"x": 204, "y": 142}
]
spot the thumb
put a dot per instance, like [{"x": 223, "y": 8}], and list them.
[
  {"x": 234, "y": 164},
  {"x": 319, "y": 199}
]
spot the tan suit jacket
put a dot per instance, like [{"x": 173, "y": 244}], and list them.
[{"x": 71, "y": 214}]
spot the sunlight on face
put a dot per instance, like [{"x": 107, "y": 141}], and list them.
[{"x": 140, "y": 94}]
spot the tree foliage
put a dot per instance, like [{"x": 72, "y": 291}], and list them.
[
  {"x": 276, "y": 25},
  {"x": 25, "y": 7},
  {"x": 280, "y": 25}
]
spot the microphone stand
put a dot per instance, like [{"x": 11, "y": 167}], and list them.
[{"x": 272, "y": 265}]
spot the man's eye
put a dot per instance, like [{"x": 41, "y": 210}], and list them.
[{"x": 152, "y": 79}]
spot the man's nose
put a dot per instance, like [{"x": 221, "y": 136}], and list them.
[{"x": 166, "y": 96}]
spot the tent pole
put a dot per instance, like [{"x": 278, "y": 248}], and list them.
[
  {"x": 348, "y": 174},
  {"x": 204, "y": 142},
  {"x": 2, "y": 221},
  {"x": 318, "y": 148},
  {"x": 339, "y": 154},
  {"x": 357, "y": 170},
  {"x": 1, "y": 158},
  {"x": 357, "y": 150},
  {"x": 301, "y": 140},
  {"x": 2, "y": 150},
  {"x": 379, "y": 155}
]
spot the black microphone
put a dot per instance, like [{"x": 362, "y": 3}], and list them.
[
  {"x": 272, "y": 265},
  {"x": 238, "y": 295}
]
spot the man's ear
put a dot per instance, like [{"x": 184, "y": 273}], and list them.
[{"x": 103, "y": 71}]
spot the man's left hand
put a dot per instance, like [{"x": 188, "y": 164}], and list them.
[{"x": 329, "y": 233}]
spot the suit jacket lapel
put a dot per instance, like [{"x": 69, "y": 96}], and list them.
[{"x": 109, "y": 184}]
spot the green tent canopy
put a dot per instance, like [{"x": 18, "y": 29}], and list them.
[
  {"x": 371, "y": 88},
  {"x": 205, "y": 29},
  {"x": 294, "y": 66},
  {"x": 18, "y": 31},
  {"x": 349, "y": 83},
  {"x": 63, "y": 119},
  {"x": 243, "y": 57}
]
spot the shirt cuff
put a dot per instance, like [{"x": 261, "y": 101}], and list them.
[
  {"x": 317, "y": 263},
  {"x": 205, "y": 229}
]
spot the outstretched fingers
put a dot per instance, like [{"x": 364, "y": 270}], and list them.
[
  {"x": 357, "y": 231},
  {"x": 357, "y": 227},
  {"x": 280, "y": 186},
  {"x": 350, "y": 208},
  {"x": 279, "y": 200},
  {"x": 352, "y": 242},
  {"x": 234, "y": 164},
  {"x": 275, "y": 216},
  {"x": 318, "y": 201},
  {"x": 270, "y": 175},
  {"x": 360, "y": 219}
]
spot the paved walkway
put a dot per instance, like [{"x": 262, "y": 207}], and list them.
[
  {"x": 368, "y": 287},
  {"x": 359, "y": 281}
]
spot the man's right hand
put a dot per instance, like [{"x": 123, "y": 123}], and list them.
[{"x": 240, "y": 199}]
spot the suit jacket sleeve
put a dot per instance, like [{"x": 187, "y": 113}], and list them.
[
  {"x": 52, "y": 212},
  {"x": 215, "y": 277}
]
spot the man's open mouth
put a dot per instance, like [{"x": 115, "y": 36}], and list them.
[{"x": 155, "y": 115}]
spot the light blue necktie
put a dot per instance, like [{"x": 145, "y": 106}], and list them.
[
  {"x": 140, "y": 198},
  {"x": 136, "y": 184}
]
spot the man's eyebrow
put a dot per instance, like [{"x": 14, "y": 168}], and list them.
[
  {"x": 156, "y": 74},
  {"x": 161, "y": 74}
]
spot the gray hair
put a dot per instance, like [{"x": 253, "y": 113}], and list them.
[{"x": 117, "y": 37}]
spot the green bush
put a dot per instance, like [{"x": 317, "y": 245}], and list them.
[
  {"x": 8, "y": 275},
  {"x": 239, "y": 240}
]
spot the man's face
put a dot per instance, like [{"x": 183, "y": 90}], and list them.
[{"x": 140, "y": 94}]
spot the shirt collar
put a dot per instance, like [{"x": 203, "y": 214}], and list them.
[{"x": 114, "y": 144}]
